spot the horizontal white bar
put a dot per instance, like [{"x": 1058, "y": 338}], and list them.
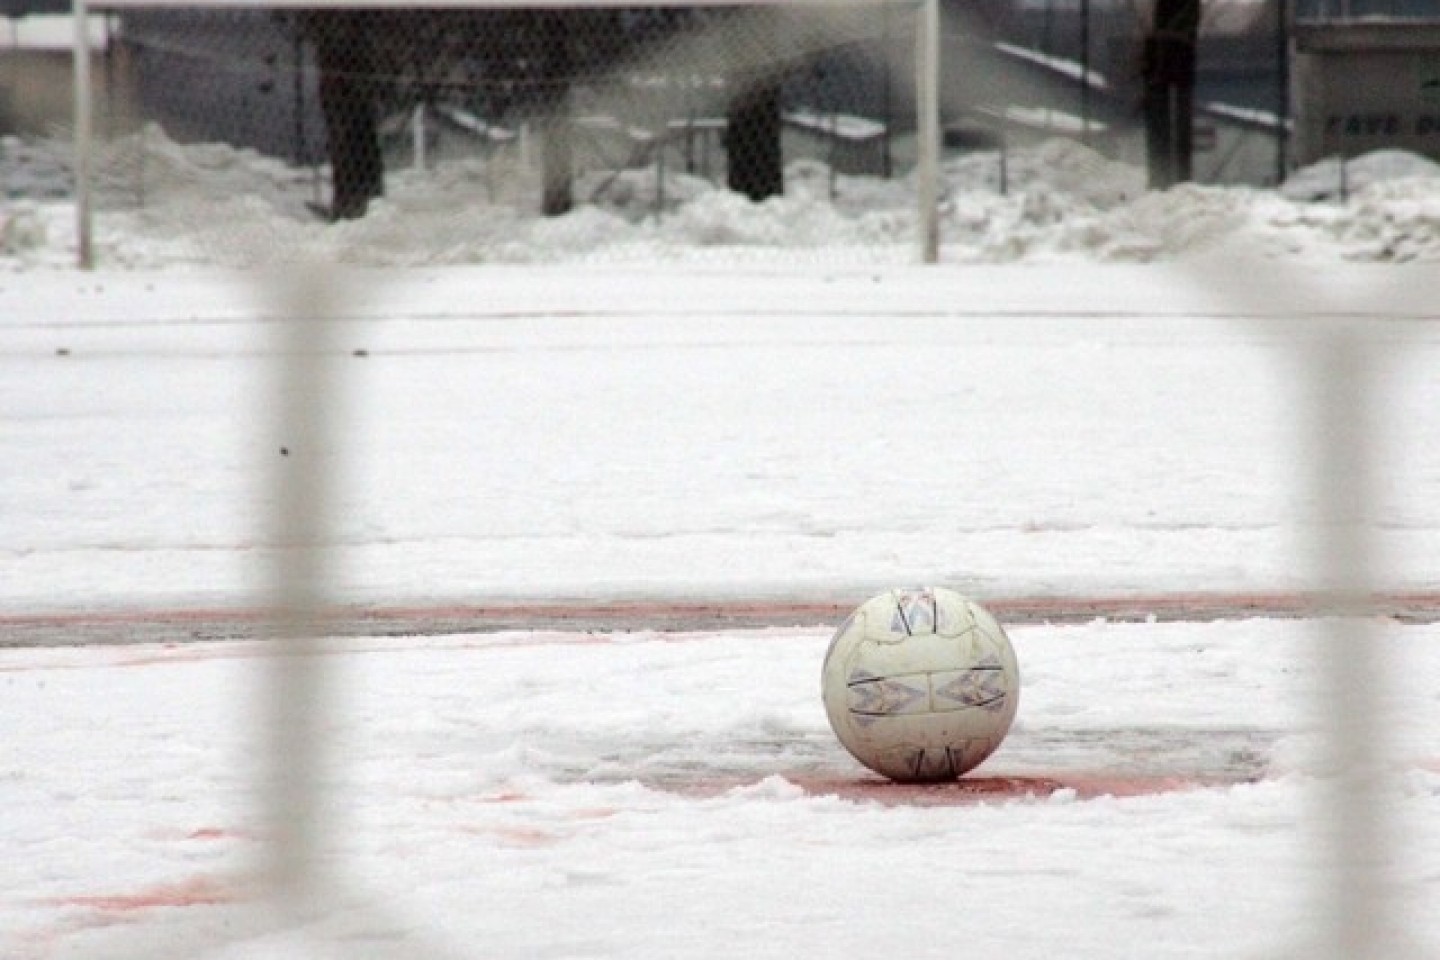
[{"x": 473, "y": 4}]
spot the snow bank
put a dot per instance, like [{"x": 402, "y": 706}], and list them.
[{"x": 162, "y": 203}]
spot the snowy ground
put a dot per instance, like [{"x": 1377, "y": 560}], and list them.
[
  {"x": 1006, "y": 431},
  {"x": 503, "y": 434},
  {"x": 771, "y": 430},
  {"x": 645, "y": 795}
]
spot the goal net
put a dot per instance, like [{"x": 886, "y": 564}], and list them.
[
  {"x": 256, "y": 133},
  {"x": 479, "y": 131}
]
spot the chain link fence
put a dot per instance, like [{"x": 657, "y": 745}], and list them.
[
  {"x": 470, "y": 133},
  {"x": 440, "y": 120}
]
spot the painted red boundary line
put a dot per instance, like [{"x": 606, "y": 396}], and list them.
[
  {"x": 971, "y": 789},
  {"x": 967, "y": 790},
  {"x": 197, "y": 891},
  {"x": 148, "y": 625}
]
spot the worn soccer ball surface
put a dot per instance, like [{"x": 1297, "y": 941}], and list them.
[{"x": 920, "y": 685}]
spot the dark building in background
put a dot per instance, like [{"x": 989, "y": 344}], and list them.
[
  {"x": 242, "y": 77},
  {"x": 25, "y": 8},
  {"x": 1366, "y": 77},
  {"x": 1363, "y": 9}
]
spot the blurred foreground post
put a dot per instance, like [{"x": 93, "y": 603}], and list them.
[
  {"x": 1343, "y": 375},
  {"x": 927, "y": 105},
  {"x": 84, "y": 240},
  {"x": 300, "y": 496}
]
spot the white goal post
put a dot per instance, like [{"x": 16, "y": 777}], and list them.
[{"x": 927, "y": 80}]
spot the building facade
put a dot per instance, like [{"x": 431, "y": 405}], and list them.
[{"x": 1366, "y": 77}]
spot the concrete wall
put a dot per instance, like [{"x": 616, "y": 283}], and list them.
[{"x": 1366, "y": 86}]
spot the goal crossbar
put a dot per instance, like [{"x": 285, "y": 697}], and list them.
[
  {"x": 319, "y": 5},
  {"x": 927, "y": 80}
]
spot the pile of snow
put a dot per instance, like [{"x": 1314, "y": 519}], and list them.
[
  {"x": 162, "y": 203},
  {"x": 1337, "y": 177}
]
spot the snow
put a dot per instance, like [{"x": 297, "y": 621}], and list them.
[
  {"x": 734, "y": 401},
  {"x": 489, "y": 454},
  {"x": 162, "y": 204},
  {"x": 843, "y": 125},
  {"x": 636, "y": 795},
  {"x": 1061, "y": 65},
  {"x": 1047, "y": 119},
  {"x": 1324, "y": 181},
  {"x": 1267, "y": 119}
]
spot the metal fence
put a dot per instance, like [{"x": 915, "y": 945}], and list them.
[
  {"x": 1331, "y": 10},
  {"x": 557, "y": 103}
]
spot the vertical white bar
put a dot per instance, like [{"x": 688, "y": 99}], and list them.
[
  {"x": 1352, "y": 825},
  {"x": 300, "y": 497},
  {"x": 417, "y": 134},
  {"x": 927, "y": 127},
  {"x": 1085, "y": 72},
  {"x": 84, "y": 241}
]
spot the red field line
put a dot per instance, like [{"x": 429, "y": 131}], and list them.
[
  {"x": 197, "y": 891},
  {"x": 154, "y": 625},
  {"x": 971, "y": 789}
]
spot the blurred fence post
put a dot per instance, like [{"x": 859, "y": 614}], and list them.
[
  {"x": 1343, "y": 376},
  {"x": 84, "y": 242},
  {"x": 300, "y": 493},
  {"x": 927, "y": 105}
]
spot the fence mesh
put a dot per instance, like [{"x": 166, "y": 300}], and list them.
[
  {"x": 333, "y": 119},
  {"x": 389, "y": 116},
  {"x": 645, "y": 120}
]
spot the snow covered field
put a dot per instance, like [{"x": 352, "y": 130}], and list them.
[
  {"x": 514, "y": 433},
  {"x": 1060, "y": 426},
  {"x": 645, "y": 795}
]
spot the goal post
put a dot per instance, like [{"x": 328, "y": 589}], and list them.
[
  {"x": 84, "y": 239},
  {"x": 927, "y": 28}
]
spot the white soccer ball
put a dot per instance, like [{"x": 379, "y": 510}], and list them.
[{"x": 920, "y": 685}]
